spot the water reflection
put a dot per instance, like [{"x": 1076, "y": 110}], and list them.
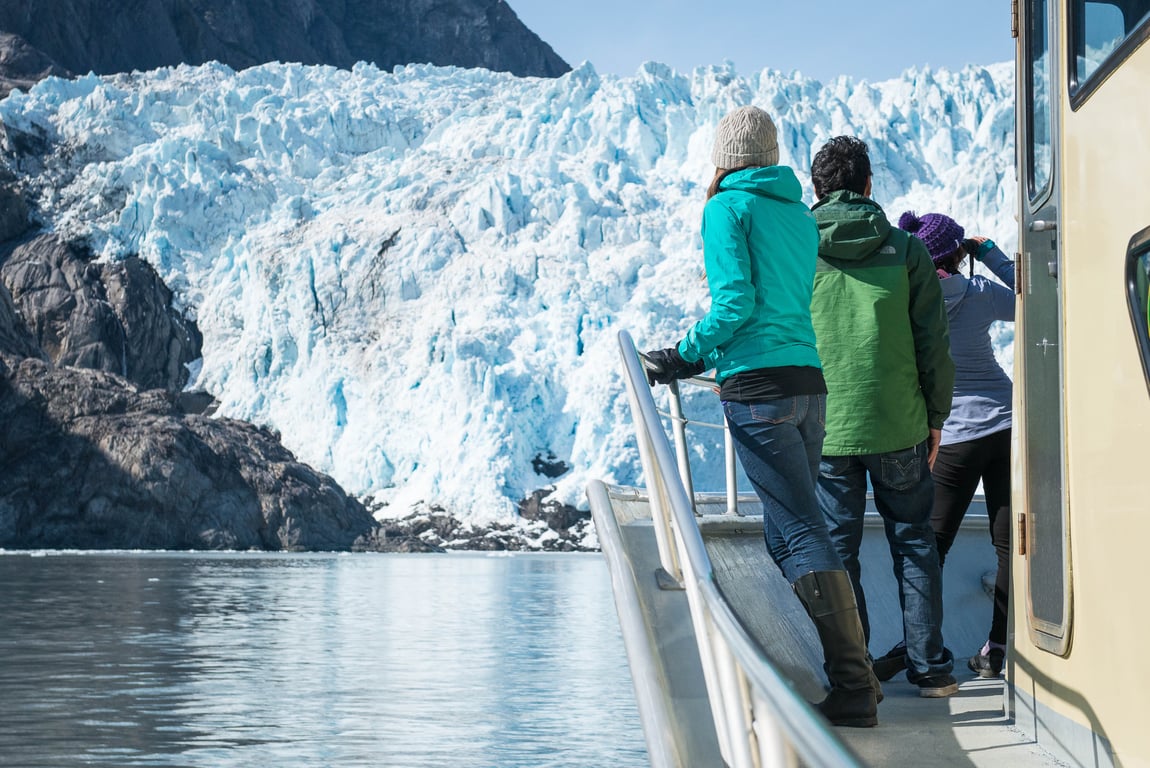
[{"x": 298, "y": 660}]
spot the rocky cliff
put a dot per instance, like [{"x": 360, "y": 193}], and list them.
[
  {"x": 107, "y": 36},
  {"x": 93, "y": 462},
  {"x": 98, "y": 446}
]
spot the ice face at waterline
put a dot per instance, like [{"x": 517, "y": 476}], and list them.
[{"x": 416, "y": 277}]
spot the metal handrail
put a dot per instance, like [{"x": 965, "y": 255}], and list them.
[
  {"x": 759, "y": 718},
  {"x": 679, "y": 433}
]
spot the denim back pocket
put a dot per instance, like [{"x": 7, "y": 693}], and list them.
[
  {"x": 776, "y": 411},
  {"x": 902, "y": 469}
]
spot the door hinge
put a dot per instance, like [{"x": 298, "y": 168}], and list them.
[
  {"x": 1022, "y": 534},
  {"x": 1014, "y": 19},
  {"x": 1017, "y": 274}
]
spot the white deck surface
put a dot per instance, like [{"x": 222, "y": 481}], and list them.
[{"x": 967, "y": 729}]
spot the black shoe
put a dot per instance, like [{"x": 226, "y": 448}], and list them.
[
  {"x": 989, "y": 665},
  {"x": 853, "y": 709},
  {"x": 936, "y": 686},
  {"x": 891, "y": 663}
]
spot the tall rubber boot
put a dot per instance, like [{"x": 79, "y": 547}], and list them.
[{"x": 830, "y": 602}]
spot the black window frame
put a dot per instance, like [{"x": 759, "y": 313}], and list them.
[
  {"x": 1080, "y": 92},
  {"x": 1036, "y": 195},
  {"x": 1138, "y": 304}
]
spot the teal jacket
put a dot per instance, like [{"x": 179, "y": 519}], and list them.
[
  {"x": 882, "y": 330},
  {"x": 759, "y": 246}
]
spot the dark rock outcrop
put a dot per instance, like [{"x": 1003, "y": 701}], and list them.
[
  {"x": 14, "y": 219},
  {"x": 15, "y": 340},
  {"x": 92, "y": 462},
  {"x": 559, "y": 517},
  {"x": 434, "y": 529},
  {"x": 22, "y": 65},
  {"x": 114, "y": 317},
  {"x": 108, "y": 36}
]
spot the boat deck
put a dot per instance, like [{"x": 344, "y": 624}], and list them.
[{"x": 967, "y": 729}]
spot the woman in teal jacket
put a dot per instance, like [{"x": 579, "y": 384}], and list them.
[{"x": 760, "y": 244}]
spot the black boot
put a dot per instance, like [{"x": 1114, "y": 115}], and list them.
[{"x": 830, "y": 602}]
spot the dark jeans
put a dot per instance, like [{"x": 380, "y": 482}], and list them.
[
  {"x": 957, "y": 471},
  {"x": 903, "y": 495},
  {"x": 778, "y": 442}
]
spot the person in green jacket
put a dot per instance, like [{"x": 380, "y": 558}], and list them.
[
  {"x": 882, "y": 332},
  {"x": 759, "y": 249}
]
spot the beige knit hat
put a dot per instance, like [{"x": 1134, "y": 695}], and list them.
[{"x": 746, "y": 136}]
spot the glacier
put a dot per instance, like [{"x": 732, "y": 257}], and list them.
[{"x": 416, "y": 276}]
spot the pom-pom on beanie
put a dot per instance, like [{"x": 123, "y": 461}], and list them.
[
  {"x": 746, "y": 136},
  {"x": 941, "y": 234}
]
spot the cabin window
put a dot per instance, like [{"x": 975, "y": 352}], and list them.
[
  {"x": 1038, "y": 118},
  {"x": 1102, "y": 34},
  {"x": 1138, "y": 295}
]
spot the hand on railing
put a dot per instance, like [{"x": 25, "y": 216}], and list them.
[{"x": 667, "y": 365}]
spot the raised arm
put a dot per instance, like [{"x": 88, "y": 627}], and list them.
[
  {"x": 1001, "y": 299},
  {"x": 931, "y": 334}
]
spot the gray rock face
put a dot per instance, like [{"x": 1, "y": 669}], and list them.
[
  {"x": 15, "y": 340},
  {"x": 96, "y": 451},
  {"x": 14, "y": 219},
  {"x": 113, "y": 317},
  {"x": 92, "y": 462},
  {"x": 22, "y": 66},
  {"x": 108, "y": 36}
]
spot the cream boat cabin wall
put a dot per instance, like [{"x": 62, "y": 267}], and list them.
[{"x": 1104, "y": 199}]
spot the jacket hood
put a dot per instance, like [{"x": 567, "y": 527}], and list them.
[
  {"x": 953, "y": 292},
  {"x": 850, "y": 226},
  {"x": 777, "y": 181}
]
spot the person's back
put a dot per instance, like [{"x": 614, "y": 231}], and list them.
[
  {"x": 869, "y": 274},
  {"x": 881, "y": 332},
  {"x": 982, "y": 390},
  {"x": 765, "y": 322}
]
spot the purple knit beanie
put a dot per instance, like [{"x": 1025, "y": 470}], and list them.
[{"x": 941, "y": 234}]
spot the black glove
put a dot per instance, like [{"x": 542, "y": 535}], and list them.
[{"x": 666, "y": 365}]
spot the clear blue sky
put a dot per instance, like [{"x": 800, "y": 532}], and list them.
[{"x": 875, "y": 40}]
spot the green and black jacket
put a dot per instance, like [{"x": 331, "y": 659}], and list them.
[{"x": 881, "y": 329}]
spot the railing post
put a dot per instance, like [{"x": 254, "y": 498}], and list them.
[
  {"x": 774, "y": 751},
  {"x": 679, "y": 430},
  {"x": 661, "y": 516},
  {"x": 736, "y": 715},
  {"x": 732, "y": 475}
]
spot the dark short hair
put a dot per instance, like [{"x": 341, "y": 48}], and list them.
[{"x": 842, "y": 163}]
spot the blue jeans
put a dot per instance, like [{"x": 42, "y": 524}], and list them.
[
  {"x": 904, "y": 496},
  {"x": 779, "y": 443}
]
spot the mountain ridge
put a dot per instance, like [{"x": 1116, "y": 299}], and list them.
[{"x": 74, "y": 37}]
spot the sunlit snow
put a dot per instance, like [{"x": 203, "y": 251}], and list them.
[{"x": 416, "y": 276}]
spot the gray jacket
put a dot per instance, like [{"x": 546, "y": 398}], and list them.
[{"x": 982, "y": 390}]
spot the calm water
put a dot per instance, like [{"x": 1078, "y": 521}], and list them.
[{"x": 312, "y": 660}]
